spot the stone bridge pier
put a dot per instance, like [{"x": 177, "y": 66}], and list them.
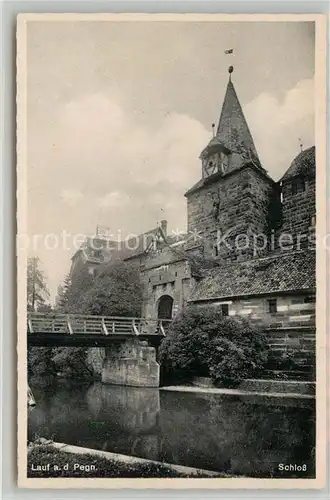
[{"x": 130, "y": 362}]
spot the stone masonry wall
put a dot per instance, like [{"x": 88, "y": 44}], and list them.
[
  {"x": 298, "y": 209},
  {"x": 292, "y": 310},
  {"x": 131, "y": 363},
  {"x": 243, "y": 207},
  {"x": 164, "y": 274}
]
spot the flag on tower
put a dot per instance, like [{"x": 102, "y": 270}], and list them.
[{"x": 229, "y": 51}]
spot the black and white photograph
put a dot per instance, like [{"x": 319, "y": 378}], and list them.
[{"x": 171, "y": 212}]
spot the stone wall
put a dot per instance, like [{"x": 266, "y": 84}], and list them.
[
  {"x": 293, "y": 353},
  {"x": 165, "y": 273},
  {"x": 292, "y": 310},
  {"x": 243, "y": 198},
  {"x": 131, "y": 363},
  {"x": 298, "y": 209}
]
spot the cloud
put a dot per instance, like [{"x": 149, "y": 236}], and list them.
[
  {"x": 71, "y": 196},
  {"x": 277, "y": 124},
  {"x": 120, "y": 160},
  {"x": 114, "y": 199}
]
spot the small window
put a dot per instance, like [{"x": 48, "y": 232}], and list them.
[
  {"x": 313, "y": 221},
  {"x": 225, "y": 309},
  {"x": 294, "y": 188},
  {"x": 216, "y": 250},
  {"x": 272, "y": 306}
]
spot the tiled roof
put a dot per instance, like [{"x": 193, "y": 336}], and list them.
[
  {"x": 303, "y": 164},
  {"x": 278, "y": 273}
]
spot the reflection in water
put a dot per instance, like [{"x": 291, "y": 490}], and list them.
[{"x": 246, "y": 436}]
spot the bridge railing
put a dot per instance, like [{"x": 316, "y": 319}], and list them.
[{"x": 81, "y": 324}]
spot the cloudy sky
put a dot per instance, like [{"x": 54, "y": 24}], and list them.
[{"x": 118, "y": 114}]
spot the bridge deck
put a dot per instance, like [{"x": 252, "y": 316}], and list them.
[{"x": 78, "y": 329}]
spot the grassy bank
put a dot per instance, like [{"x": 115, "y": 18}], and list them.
[{"x": 55, "y": 463}]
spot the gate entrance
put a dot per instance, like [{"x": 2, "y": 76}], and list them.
[{"x": 165, "y": 306}]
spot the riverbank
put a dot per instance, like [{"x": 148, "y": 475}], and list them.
[
  {"x": 61, "y": 460},
  {"x": 257, "y": 388}
]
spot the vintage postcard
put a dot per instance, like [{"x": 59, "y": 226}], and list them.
[{"x": 171, "y": 211}]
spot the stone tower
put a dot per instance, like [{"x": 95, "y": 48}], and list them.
[
  {"x": 229, "y": 205},
  {"x": 298, "y": 197}
]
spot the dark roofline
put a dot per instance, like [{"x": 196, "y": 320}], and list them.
[
  {"x": 218, "y": 176},
  {"x": 287, "y": 176},
  {"x": 296, "y": 176},
  {"x": 262, "y": 294}
]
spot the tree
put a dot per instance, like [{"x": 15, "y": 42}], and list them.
[
  {"x": 72, "y": 361},
  {"x": 39, "y": 359},
  {"x": 80, "y": 283},
  {"x": 116, "y": 291},
  {"x": 203, "y": 342},
  {"x": 37, "y": 290},
  {"x": 64, "y": 294}
]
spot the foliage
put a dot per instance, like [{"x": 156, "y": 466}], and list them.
[
  {"x": 81, "y": 283},
  {"x": 39, "y": 359},
  {"x": 116, "y": 291},
  {"x": 40, "y": 362},
  {"x": 64, "y": 294},
  {"x": 71, "y": 360},
  {"x": 203, "y": 342},
  {"x": 37, "y": 290}
]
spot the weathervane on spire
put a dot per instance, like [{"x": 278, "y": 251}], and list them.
[{"x": 231, "y": 68}]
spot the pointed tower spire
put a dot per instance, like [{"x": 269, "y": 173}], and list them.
[{"x": 233, "y": 130}]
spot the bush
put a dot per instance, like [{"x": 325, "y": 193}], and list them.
[
  {"x": 40, "y": 362},
  {"x": 203, "y": 342}
]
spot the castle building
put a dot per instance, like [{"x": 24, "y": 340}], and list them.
[{"x": 249, "y": 247}]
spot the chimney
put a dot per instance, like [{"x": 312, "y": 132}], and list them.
[{"x": 163, "y": 225}]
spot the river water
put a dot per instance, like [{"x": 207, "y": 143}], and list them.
[{"x": 239, "y": 435}]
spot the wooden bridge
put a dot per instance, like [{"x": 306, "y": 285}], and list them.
[{"x": 56, "y": 329}]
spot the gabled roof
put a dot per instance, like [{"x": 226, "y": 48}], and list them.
[
  {"x": 303, "y": 165},
  {"x": 279, "y": 273}
]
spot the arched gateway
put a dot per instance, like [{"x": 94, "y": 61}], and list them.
[{"x": 165, "y": 306}]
